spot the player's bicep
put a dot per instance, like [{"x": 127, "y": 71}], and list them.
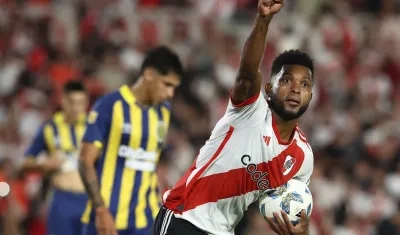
[
  {"x": 246, "y": 86},
  {"x": 89, "y": 153}
]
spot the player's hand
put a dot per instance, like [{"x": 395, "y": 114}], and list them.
[
  {"x": 104, "y": 222},
  {"x": 285, "y": 227},
  {"x": 269, "y": 7}
]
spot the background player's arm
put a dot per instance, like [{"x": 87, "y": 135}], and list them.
[
  {"x": 38, "y": 145},
  {"x": 91, "y": 149},
  {"x": 248, "y": 80}
]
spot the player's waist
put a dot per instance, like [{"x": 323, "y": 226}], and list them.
[
  {"x": 208, "y": 225},
  {"x": 68, "y": 181},
  {"x": 60, "y": 194}
]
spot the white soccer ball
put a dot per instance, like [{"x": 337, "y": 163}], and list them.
[{"x": 292, "y": 197}]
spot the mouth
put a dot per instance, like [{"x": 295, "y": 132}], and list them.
[{"x": 293, "y": 101}]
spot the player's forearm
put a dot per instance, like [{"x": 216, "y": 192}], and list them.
[
  {"x": 32, "y": 165},
  {"x": 254, "y": 48},
  {"x": 91, "y": 183}
]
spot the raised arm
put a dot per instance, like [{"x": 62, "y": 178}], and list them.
[{"x": 248, "y": 80}]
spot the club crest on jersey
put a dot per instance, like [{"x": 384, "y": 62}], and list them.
[
  {"x": 161, "y": 131},
  {"x": 92, "y": 117},
  {"x": 288, "y": 165},
  {"x": 258, "y": 176}
]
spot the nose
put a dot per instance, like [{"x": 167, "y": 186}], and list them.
[{"x": 295, "y": 88}]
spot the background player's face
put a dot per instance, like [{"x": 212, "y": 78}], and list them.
[
  {"x": 164, "y": 87},
  {"x": 74, "y": 103},
  {"x": 290, "y": 91}
]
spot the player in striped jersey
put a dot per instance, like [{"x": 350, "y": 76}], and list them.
[
  {"x": 60, "y": 138},
  {"x": 121, "y": 147}
]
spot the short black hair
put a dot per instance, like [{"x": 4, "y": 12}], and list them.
[
  {"x": 74, "y": 86},
  {"x": 292, "y": 57},
  {"x": 164, "y": 60}
]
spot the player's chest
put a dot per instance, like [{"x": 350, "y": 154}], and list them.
[
  {"x": 142, "y": 132},
  {"x": 268, "y": 162},
  {"x": 66, "y": 137}
]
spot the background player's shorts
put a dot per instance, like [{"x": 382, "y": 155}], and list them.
[
  {"x": 90, "y": 229},
  {"x": 167, "y": 224},
  {"x": 65, "y": 213}
]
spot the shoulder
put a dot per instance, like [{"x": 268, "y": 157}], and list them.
[
  {"x": 50, "y": 122},
  {"x": 110, "y": 98},
  {"x": 107, "y": 101},
  {"x": 302, "y": 137},
  {"x": 102, "y": 108}
]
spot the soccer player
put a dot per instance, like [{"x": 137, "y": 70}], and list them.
[
  {"x": 257, "y": 145},
  {"x": 60, "y": 138},
  {"x": 121, "y": 146}
]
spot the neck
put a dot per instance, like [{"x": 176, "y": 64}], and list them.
[
  {"x": 285, "y": 128},
  {"x": 69, "y": 119},
  {"x": 140, "y": 92}
]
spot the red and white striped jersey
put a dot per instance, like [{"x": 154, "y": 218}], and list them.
[{"x": 243, "y": 157}]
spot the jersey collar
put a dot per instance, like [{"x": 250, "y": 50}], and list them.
[{"x": 127, "y": 94}]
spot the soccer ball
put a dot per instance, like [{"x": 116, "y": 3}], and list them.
[{"x": 292, "y": 197}]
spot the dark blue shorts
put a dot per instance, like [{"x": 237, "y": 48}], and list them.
[
  {"x": 65, "y": 213},
  {"x": 90, "y": 229}
]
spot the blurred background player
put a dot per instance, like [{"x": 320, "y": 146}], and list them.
[
  {"x": 121, "y": 146},
  {"x": 60, "y": 139}
]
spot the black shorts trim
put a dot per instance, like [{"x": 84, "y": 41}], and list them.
[{"x": 167, "y": 224}]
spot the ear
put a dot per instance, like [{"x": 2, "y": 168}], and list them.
[
  {"x": 268, "y": 88},
  {"x": 149, "y": 74}
]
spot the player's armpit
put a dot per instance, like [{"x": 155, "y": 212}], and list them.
[
  {"x": 88, "y": 156},
  {"x": 248, "y": 80}
]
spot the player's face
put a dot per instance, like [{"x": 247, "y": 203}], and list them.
[
  {"x": 164, "y": 87},
  {"x": 290, "y": 91},
  {"x": 74, "y": 103}
]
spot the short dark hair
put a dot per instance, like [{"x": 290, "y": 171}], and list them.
[
  {"x": 74, "y": 86},
  {"x": 292, "y": 57},
  {"x": 164, "y": 60}
]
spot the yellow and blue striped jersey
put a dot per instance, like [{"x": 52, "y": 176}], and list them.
[
  {"x": 58, "y": 135},
  {"x": 131, "y": 138}
]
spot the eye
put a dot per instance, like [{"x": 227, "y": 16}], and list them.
[
  {"x": 285, "y": 80},
  {"x": 305, "y": 84}
]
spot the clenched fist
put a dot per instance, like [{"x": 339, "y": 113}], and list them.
[{"x": 269, "y": 7}]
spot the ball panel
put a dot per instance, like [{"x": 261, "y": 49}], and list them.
[{"x": 292, "y": 197}]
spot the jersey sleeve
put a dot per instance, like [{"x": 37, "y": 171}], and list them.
[
  {"x": 97, "y": 123},
  {"x": 37, "y": 145},
  {"x": 249, "y": 112}
]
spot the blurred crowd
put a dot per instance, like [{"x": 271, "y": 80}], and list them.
[{"x": 352, "y": 123}]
